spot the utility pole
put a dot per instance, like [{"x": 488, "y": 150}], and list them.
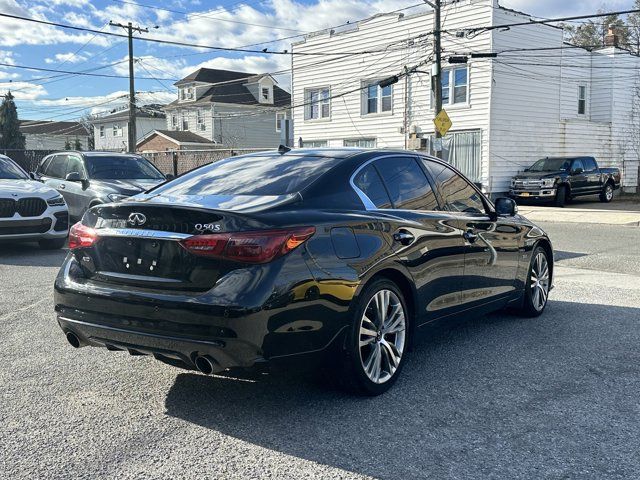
[
  {"x": 436, "y": 77},
  {"x": 131, "y": 130}
]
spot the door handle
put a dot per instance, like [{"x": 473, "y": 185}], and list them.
[
  {"x": 469, "y": 236},
  {"x": 62, "y": 186},
  {"x": 404, "y": 237}
]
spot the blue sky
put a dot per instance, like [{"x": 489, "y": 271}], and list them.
[{"x": 226, "y": 23}]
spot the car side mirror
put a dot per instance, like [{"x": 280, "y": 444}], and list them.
[
  {"x": 32, "y": 176},
  {"x": 526, "y": 169},
  {"x": 577, "y": 171},
  {"x": 169, "y": 176},
  {"x": 73, "y": 177},
  {"x": 506, "y": 207}
]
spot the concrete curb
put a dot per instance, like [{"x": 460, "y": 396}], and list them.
[{"x": 581, "y": 215}]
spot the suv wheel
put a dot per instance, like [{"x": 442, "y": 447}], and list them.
[{"x": 378, "y": 340}]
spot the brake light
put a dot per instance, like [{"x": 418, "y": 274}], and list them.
[
  {"x": 250, "y": 247},
  {"x": 81, "y": 236}
]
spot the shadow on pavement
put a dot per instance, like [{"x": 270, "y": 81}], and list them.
[
  {"x": 499, "y": 396},
  {"x": 30, "y": 255}
]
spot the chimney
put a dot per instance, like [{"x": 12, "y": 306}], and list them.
[{"x": 611, "y": 38}]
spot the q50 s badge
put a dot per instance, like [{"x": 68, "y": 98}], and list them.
[{"x": 208, "y": 227}]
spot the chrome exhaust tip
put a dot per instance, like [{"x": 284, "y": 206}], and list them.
[
  {"x": 206, "y": 364},
  {"x": 73, "y": 340}
]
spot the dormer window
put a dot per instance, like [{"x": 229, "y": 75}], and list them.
[
  {"x": 186, "y": 93},
  {"x": 265, "y": 94}
]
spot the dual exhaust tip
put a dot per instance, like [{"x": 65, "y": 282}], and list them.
[
  {"x": 204, "y": 363},
  {"x": 207, "y": 365}
]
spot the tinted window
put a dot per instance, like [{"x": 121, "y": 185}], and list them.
[
  {"x": 550, "y": 165},
  {"x": 75, "y": 165},
  {"x": 122, "y": 167},
  {"x": 43, "y": 165},
  {"x": 251, "y": 175},
  {"x": 369, "y": 182},
  {"x": 577, "y": 164},
  {"x": 57, "y": 168},
  {"x": 589, "y": 164},
  {"x": 457, "y": 192},
  {"x": 407, "y": 184},
  {"x": 11, "y": 171}
]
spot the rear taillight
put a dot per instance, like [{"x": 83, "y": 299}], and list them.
[
  {"x": 81, "y": 236},
  {"x": 250, "y": 247}
]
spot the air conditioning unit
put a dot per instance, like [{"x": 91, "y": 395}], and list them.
[{"x": 417, "y": 144}]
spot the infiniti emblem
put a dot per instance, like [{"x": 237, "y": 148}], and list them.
[{"x": 136, "y": 218}]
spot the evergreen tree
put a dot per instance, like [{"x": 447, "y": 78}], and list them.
[
  {"x": 67, "y": 144},
  {"x": 10, "y": 135},
  {"x": 77, "y": 145}
]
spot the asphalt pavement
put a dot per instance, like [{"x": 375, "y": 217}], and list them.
[{"x": 493, "y": 397}]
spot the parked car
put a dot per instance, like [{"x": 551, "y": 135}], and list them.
[
  {"x": 336, "y": 255},
  {"x": 30, "y": 211},
  {"x": 86, "y": 179},
  {"x": 559, "y": 179}
]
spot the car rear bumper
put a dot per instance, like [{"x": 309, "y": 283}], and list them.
[{"x": 179, "y": 327}]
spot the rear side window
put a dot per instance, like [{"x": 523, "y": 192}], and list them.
[
  {"x": 57, "y": 168},
  {"x": 251, "y": 175},
  {"x": 369, "y": 182},
  {"x": 458, "y": 194},
  {"x": 407, "y": 184}
]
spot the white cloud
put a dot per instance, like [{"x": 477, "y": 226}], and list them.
[
  {"x": 70, "y": 57},
  {"x": 23, "y": 90}
]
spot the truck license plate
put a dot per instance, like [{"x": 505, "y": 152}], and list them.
[{"x": 524, "y": 194}]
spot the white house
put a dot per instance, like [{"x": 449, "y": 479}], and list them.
[
  {"x": 232, "y": 109},
  {"x": 110, "y": 131},
  {"x": 539, "y": 97},
  {"x": 49, "y": 135}
]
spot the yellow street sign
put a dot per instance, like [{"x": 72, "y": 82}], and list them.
[{"x": 442, "y": 122}]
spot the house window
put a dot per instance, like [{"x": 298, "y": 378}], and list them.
[
  {"x": 280, "y": 116},
  {"x": 101, "y": 131},
  {"x": 186, "y": 93},
  {"x": 314, "y": 143},
  {"x": 318, "y": 104},
  {"x": 455, "y": 86},
  {"x": 189, "y": 93},
  {"x": 185, "y": 123},
  {"x": 117, "y": 130},
  {"x": 582, "y": 100},
  {"x": 376, "y": 98},
  {"x": 265, "y": 93},
  {"x": 200, "y": 120},
  {"x": 174, "y": 122},
  {"x": 361, "y": 143}
]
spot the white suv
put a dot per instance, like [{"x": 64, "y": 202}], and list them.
[{"x": 29, "y": 210}]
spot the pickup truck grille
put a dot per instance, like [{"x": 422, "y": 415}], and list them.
[{"x": 525, "y": 184}]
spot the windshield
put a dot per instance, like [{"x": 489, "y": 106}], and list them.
[
  {"x": 11, "y": 171},
  {"x": 550, "y": 165},
  {"x": 121, "y": 168},
  {"x": 251, "y": 175}
]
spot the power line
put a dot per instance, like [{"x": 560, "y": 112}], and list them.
[
  {"x": 182, "y": 44},
  {"x": 70, "y": 72}
]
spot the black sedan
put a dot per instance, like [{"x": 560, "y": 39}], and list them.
[
  {"x": 339, "y": 255},
  {"x": 86, "y": 179}
]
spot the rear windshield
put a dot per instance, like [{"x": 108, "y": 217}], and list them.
[
  {"x": 550, "y": 165},
  {"x": 251, "y": 175},
  {"x": 121, "y": 168},
  {"x": 10, "y": 171}
]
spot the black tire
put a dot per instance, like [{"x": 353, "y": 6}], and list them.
[
  {"x": 607, "y": 193},
  {"x": 561, "y": 196},
  {"x": 530, "y": 307},
  {"x": 349, "y": 371},
  {"x": 52, "y": 243}
]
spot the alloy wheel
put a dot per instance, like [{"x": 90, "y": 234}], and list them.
[
  {"x": 608, "y": 192},
  {"x": 382, "y": 336},
  {"x": 539, "y": 281}
]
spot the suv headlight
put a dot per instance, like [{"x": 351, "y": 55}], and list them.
[
  {"x": 115, "y": 197},
  {"x": 57, "y": 201},
  {"x": 548, "y": 182}
]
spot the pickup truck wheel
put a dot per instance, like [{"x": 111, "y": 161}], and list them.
[
  {"x": 561, "y": 196},
  {"x": 607, "y": 193}
]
